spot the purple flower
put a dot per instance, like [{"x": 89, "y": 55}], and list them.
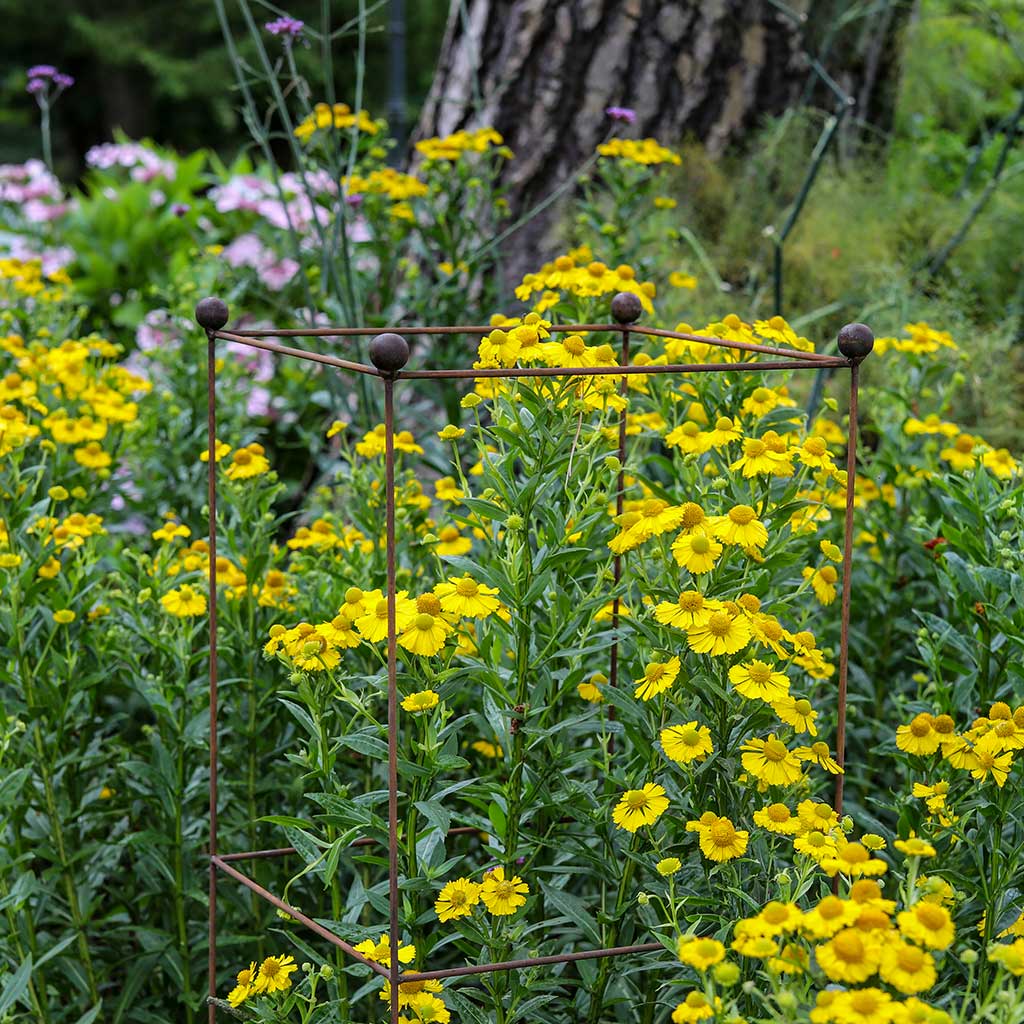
[
  {"x": 621, "y": 114},
  {"x": 290, "y": 28},
  {"x": 63, "y": 81},
  {"x": 41, "y": 71},
  {"x": 180, "y": 209},
  {"x": 36, "y": 86}
]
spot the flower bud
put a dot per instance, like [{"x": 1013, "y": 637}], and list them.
[
  {"x": 643, "y": 899},
  {"x": 969, "y": 957},
  {"x": 515, "y": 521},
  {"x": 327, "y": 972},
  {"x": 726, "y": 973},
  {"x": 786, "y": 1000},
  {"x": 306, "y": 967}
]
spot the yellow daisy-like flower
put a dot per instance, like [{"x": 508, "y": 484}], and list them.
[
  {"x": 759, "y": 460},
  {"x": 721, "y": 840},
  {"x": 828, "y": 917},
  {"x": 425, "y": 635},
  {"x": 724, "y": 632},
  {"x": 380, "y": 951},
  {"x": 853, "y": 860},
  {"x": 590, "y": 689},
  {"x": 907, "y": 968},
  {"x": 914, "y": 847},
  {"x": 464, "y": 596},
  {"x": 865, "y": 1006},
  {"x": 1009, "y": 955},
  {"x": 696, "y": 552},
  {"x": 657, "y": 678},
  {"x": 424, "y": 700},
  {"x": 814, "y": 453},
  {"x": 451, "y": 433},
  {"x": 927, "y": 924},
  {"x": 740, "y": 526},
  {"x": 699, "y": 953},
  {"x": 686, "y": 743},
  {"x": 820, "y": 755},
  {"x": 797, "y": 713},
  {"x": 275, "y": 974},
  {"x": 668, "y": 866},
  {"x": 503, "y": 896},
  {"x": 757, "y": 947},
  {"x": 850, "y": 956},
  {"x": 244, "y": 985},
  {"x": 451, "y": 542},
  {"x": 777, "y": 818},
  {"x": 723, "y": 432},
  {"x": 691, "y": 610},
  {"x": 64, "y": 616},
  {"x": 185, "y": 602},
  {"x": 771, "y": 761},
  {"x": 817, "y": 845},
  {"x": 373, "y": 625},
  {"x": 247, "y": 463},
  {"x": 457, "y": 899},
  {"x": 823, "y": 582},
  {"x": 695, "y": 1007},
  {"x": 815, "y": 816},
  {"x": 638, "y": 807},
  {"x": 757, "y": 680}
]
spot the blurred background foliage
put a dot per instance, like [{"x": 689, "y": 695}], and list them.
[{"x": 159, "y": 69}]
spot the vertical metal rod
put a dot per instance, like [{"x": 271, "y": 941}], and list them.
[
  {"x": 844, "y": 622},
  {"x": 620, "y": 497},
  {"x": 389, "y": 492},
  {"x": 211, "y": 499}
]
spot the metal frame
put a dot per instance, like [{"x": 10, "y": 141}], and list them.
[{"x": 389, "y": 353}]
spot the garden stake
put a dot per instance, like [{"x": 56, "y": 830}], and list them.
[{"x": 389, "y": 353}]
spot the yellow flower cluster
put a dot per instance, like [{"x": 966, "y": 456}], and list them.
[
  {"x": 578, "y": 273},
  {"x": 273, "y": 975},
  {"x": 647, "y": 152},
  {"x": 986, "y": 749},
  {"x": 500, "y": 895},
  {"x": 424, "y": 626},
  {"x": 452, "y": 147},
  {"x": 322, "y": 535},
  {"x": 385, "y": 181},
  {"x": 421, "y": 999},
  {"x": 339, "y": 116},
  {"x": 922, "y": 339},
  {"x": 26, "y": 278}
]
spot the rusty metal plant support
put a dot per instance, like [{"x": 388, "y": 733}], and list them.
[{"x": 389, "y": 353}]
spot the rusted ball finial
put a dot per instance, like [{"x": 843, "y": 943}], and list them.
[
  {"x": 212, "y": 313},
  {"x": 389, "y": 352},
  {"x": 626, "y": 308},
  {"x": 856, "y": 341}
]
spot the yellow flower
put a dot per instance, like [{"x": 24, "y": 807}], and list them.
[
  {"x": 699, "y": 953},
  {"x": 690, "y": 610},
  {"x": 908, "y": 969},
  {"x": 380, "y": 951},
  {"x": 451, "y": 542},
  {"x": 464, "y": 596},
  {"x": 686, "y": 743},
  {"x": 336, "y": 427},
  {"x": 797, "y": 713},
  {"x": 590, "y": 689},
  {"x": 850, "y": 956},
  {"x": 657, "y": 678},
  {"x": 185, "y": 602},
  {"x": 829, "y": 916},
  {"x": 492, "y": 750},
  {"x": 92, "y": 456},
  {"x": 759, "y": 460},
  {"x": 220, "y": 449},
  {"x": 647, "y": 152},
  {"x": 427, "y": 633},
  {"x": 852, "y": 860},
  {"x": 246, "y": 463},
  {"x": 1009, "y": 955},
  {"x": 502, "y": 896},
  {"x": 696, "y": 552},
  {"x": 777, "y": 818},
  {"x": 740, "y": 526},
  {"x": 927, "y": 924},
  {"x": 451, "y": 433},
  {"x": 864, "y": 1006},
  {"x": 457, "y": 899},
  {"x": 668, "y": 866},
  {"x": 64, "y": 616},
  {"x": 677, "y": 279},
  {"x": 275, "y": 974},
  {"x": 820, "y": 755},
  {"x": 816, "y": 816},
  {"x": 244, "y": 987},
  {"x": 171, "y": 530},
  {"x": 373, "y": 625},
  {"x": 638, "y": 807},
  {"x": 422, "y": 701},
  {"x": 724, "y": 632},
  {"x": 721, "y": 840},
  {"x": 771, "y": 761},
  {"x": 694, "y": 1008},
  {"x": 914, "y": 847},
  {"x": 814, "y": 453},
  {"x": 49, "y": 569},
  {"x": 757, "y": 680},
  {"x": 823, "y": 582},
  {"x": 919, "y": 737}
]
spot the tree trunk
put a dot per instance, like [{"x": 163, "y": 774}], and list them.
[{"x": 543, "y": 71}]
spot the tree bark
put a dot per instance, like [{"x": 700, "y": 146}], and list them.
[{"x": 542, "y": 73}]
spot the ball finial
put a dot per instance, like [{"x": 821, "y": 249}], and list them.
[
  {"x": 856, "y": 341},
  {"x": 211, "y": 313},
  {"x": 626, "y": 308},
  {"x": 389, "y": 352}
]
